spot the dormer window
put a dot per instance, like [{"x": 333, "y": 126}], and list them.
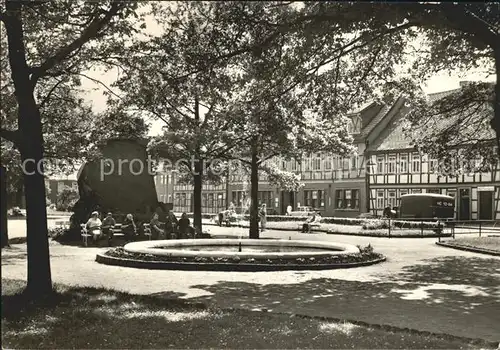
[{"x": 355, "y": 127}]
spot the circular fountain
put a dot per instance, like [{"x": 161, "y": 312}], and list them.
[{"x": 238, "y": 255}]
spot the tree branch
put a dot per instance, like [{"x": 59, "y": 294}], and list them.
[
  {"x": 87, "y": 34},
  {"x": 11, "y": 135}
]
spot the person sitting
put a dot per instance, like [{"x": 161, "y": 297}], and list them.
[
  {"x": 128, "y": 227},
  {"x": 184, "y": 225},
  {"x": 94, "y": 225},
  {"x": 155, "y": 225},
  {"x": 315, "y": 218},
  {"x": 108, "y": 225},
  {"x": 171, "y": 225},
  {"x": 221, "y": 218}
]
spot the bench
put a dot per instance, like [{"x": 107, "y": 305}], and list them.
[
  {"x": 117, "y": 232},
  {"x": 311, "y": 225},
  {"x": 147, "y": 230}
]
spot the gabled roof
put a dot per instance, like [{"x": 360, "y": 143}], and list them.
[{"x": 393, "y": 136}]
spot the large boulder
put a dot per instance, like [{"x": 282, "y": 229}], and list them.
[{"x": 120, "y": 182}]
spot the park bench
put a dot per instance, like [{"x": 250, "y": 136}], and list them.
[
  {"x": 312, "y": 225},
  {"x": 147, "y": 230}
]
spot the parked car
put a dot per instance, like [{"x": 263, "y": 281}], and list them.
[
  {"x": 303, "y": 211},
  {"x": 16, "y": 211},
  {"x": 427, "y": 206}
]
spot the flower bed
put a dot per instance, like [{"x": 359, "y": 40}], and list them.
[{"x": 366, "y": 255}]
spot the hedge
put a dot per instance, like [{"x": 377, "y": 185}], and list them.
[{"x": 368, "y": 224}]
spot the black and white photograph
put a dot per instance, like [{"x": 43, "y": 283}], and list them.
[{"x": 250, "y": 174}]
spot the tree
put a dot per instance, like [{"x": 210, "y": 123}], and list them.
[
  {"x": 455, "y": 129},
  {"x": 453, "y": 36},
  {"x": 66, "y": 198},
  {"x": 196, "y": 131},
  {"x": 52, "y": 40}
]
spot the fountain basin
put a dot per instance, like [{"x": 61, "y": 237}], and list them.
[
  {"x": 183, "y": 248},
  {"x": 224, "y": 254}
]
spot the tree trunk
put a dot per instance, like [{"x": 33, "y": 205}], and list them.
[
  {"x": 254, "y": 194},
  {"x": 496, "y": 117},
  {"x": 198, "y": 175},
  {"x": 30, "y": 146},
  {"x": 3, "y": 209},
  {"x": 20, "y": 196},
  {"x": 197, "y": 197}
]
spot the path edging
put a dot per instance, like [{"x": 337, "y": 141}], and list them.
[{"x": 469, "y": 249}]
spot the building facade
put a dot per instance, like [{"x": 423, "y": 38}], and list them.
[{"x": 385, "y": 167}]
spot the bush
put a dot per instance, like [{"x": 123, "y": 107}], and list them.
[
  {"x": 342, "y": 221},
  {"x": 57, "y": 233},
  {"x": 375, "y": 224}
]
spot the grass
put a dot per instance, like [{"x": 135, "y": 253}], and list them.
[
  {"x": 340, "y": 229},
  {"x": 99, "y": 318},
  {"x": 487, "y": 243}
]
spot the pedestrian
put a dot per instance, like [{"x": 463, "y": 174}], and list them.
[
  {"x": 289, "y": 210},
  {"x": 108, "y": 226},
  {"x": 155, "y": 225},
  {"x": 184, "y": 226},
  {"x": 263, "y": 218},
  {"x": 170, "y": 225},
  {"x": 129, "y": 228},
  {"x": 221, "y": 218}
]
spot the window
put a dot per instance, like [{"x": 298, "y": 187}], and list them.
[
  {"x": 401, "y": 193},
  {"x": 347, "y": 199},
  {"x": 345, "y": 164},
  {"x": 416, "y": 190},
  {"x": 293, "y": 164},
  {"x": 433, "y": 166},
  {"x": 391, "y": 165},
  {"x": 307, "y": 164},
  {"x": 328, "y": 163},
  {"x": 266, "y": 197},
  {"x": 434, "y": 190},
  {"x": 415, "y": 163},
  {"x": 380, "y": 199},
  {"x": 314, "y": 198},
  {"x": 60, "y": 186},
  {"x": 356, "y": 124},
  {"x": 354, "y": 162},
  {"x": 316, "y": 164},
  {"x": 380, "y": 165},
  {"x": 391, "y": 200},
  {"x": 403, "y": 163}
]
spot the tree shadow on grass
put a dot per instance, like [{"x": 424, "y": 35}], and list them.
[
  {"x": 467, "y": 305},
  {"x": 455, "y": 270},
  {"x": 99, "y": 318}
]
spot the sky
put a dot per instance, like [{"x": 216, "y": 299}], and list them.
[
  {"x": 94, "y": 95},
  {"x": 437, "y": 83}
]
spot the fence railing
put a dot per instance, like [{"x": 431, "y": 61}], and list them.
[{"x": 446, "y": 227}]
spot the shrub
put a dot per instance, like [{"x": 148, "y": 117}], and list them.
[
  {"x": 375, "y": 224},
  {"x": 342, "y": 221},
  {"x": 57, "y": 233}
]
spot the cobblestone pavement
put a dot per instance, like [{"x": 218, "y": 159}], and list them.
[{"x": 420, "y": 286}]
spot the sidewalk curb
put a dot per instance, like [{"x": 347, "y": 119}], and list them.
[{"x": 190, "y": 266}]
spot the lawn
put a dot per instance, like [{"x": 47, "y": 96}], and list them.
[
  {"x": 487, "y": 243},
  {"x": 99, "y": 318}
]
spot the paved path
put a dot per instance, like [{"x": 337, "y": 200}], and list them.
[{"x": 421, "y": 286}]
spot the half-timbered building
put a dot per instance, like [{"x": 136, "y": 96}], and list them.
[{"x": 385, "y": 167}]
